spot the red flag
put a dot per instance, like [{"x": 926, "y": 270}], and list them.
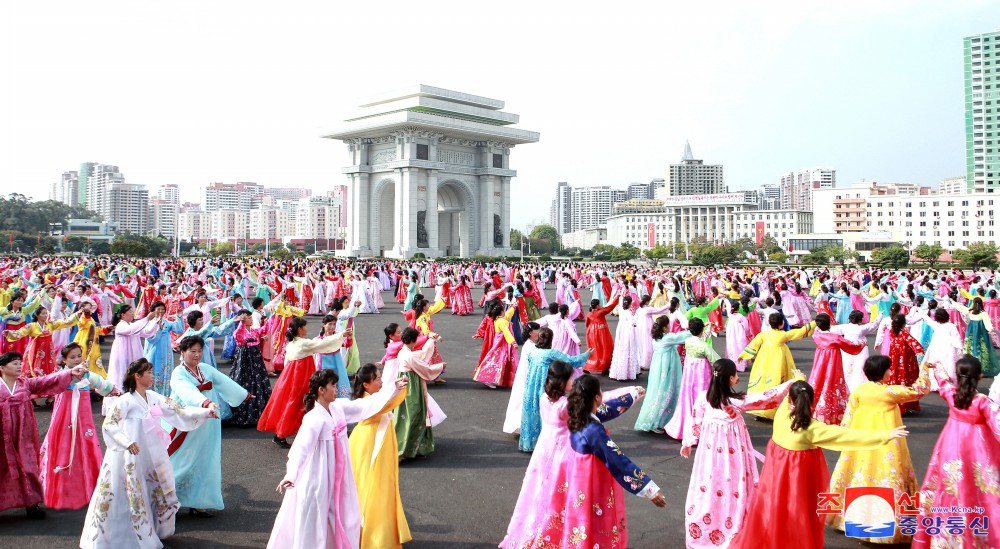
[
  {"x": 11, "y": 239},
  {"x": 39, "y": 237}
]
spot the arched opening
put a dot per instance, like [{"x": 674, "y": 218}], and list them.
[
  {"x": 453, "y": 220},
  {"x": 386, "y": 203}
]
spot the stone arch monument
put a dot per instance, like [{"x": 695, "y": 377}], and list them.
[{"x": 429, "y": 173}]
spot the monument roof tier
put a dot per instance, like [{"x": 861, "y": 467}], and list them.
[
  {"x": 446, "y": 123},
  {"x": 423, "y": 90},
  {"x": 437, "y": 106}
]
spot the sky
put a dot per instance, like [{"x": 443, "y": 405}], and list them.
[{"x": 196, "y": 92}]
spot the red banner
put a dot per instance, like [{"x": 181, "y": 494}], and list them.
[
  {"x": 651, "y": 229},
  {"x": 760, "y": 233}
]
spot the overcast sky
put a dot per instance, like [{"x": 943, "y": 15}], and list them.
[{"x": 195, "y": 92}]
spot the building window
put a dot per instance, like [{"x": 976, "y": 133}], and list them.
[
  {"x": 498, "y": 161},
  {"x": 423, "y": 152}
]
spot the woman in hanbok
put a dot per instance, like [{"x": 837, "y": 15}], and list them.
[
  {"x": 978, "y": 332},
  {"x": 40, "y": 353},
  {"x": 320, "y": 506},
  {"x": 827, "y": 374},
  {"x": 553, "y": 449},
  {"x": 196, "y": 456},
  {"x": 284, "y": 313},
  {"x": 70, "y": 456},
  {"x": 413, "y": 424},
  {"x": 772, "y": 359},
  {"x": 499, "y": 365},
  {"x": 906, "y": 353},
  {"x": 373, "y": 288},
  {"x": 376, "y": 466},
  {"x": 88, "y": 336},
  {"x": 283, "y": 413},
  {"x": 626, "y": 359},
  {"x": 822, "y": 303},
  {"x": 249, "y": 371},
  {"x": 724, "y": 475},
  {"x": 461, "y": 297},
  {"x": 158, "y": 348},
  {"x": 599, "y": 336},
  {"x": 127, "y": 346},
  {"x": 200, "y": 325},
  {"x": 784, "y": 504},
  {"x": 412, "y": 288},
  {"x": 539, "y": 361},
  {"x": 665, "y": 374},
  {"x": 698, "y": 359},
  {"x": 946, "y": 345},
  {"x": 715, "y": 319},
  {"x": 594, "y": 473},
  {"x": 874, "y": 406},
  {"x": 737, "y": 338},
  {"x": 14, "y": 316},
  {"x": 135, "y": 502},
  {"x": 21, "y": 486},
  {"x": 962, "y": 468},
  {"x": 335, "y": 360},
  {"x": 856, "y": 332},
  {"x": 229, "y": 310},
  {"x": 515, "y": 405}
]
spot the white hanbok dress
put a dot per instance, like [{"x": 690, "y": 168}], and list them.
[{"x": 135, "y": 504}]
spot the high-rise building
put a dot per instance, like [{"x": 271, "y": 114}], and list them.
[
  {"x": 953, "y": 185},
  {"x": 230, "y": 224},
  {"x": 694, "y": 177},
  {"x": 128, "y": 205},
  {"x": 290, "y": 193},
  {"x": 796, "y": 188},
  {"x": 559, "y": 212},
  {"x": 102, "y": 177},
  {"x": 67, "y": 189},
  {"x": 318, "y": 217},
  {"x": 591, "y": 206},
  {"x": 340, "y": 193},
  {"x": 618, "y": 195},
  {"x": 86, "y": 170},
  {"x": 982, "y": 97},
  {"x": 769, "y": 197},
  {"x": 170, "y": 193},
  {"x": 163, "y": 217},
  {"x": 269, "y": 222},
  {"x": 231, "y": 196},
  {"x": 194, "y": 225}
]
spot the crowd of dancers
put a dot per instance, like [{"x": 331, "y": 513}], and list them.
[{"x": 165, "y": 401}]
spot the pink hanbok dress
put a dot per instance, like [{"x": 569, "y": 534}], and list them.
[
  {"x": 737, "y": 338},
  {"x": 827, "y": 375},
  {"x": 724, "y": 475},
  {"x": 698, "y": 360}
]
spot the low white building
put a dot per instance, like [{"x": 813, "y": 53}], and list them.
[
  {"x": 584, "y": 239},
  {"x": 641, "y": 223},
  {"x": 269, "y": 223},
  {"x": 778, "y": 224}
]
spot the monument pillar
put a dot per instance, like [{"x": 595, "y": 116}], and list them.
[
  {"x": 505, "y": 209},
  {"x": 485, "y": 215},
  {"x": 360, "y": 200},
  {"x": 431, "y": 217}
]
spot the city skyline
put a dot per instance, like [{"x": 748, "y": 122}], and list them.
[{"x": 876, "y": 91}]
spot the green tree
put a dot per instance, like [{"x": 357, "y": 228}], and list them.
[
  {"x": 930, "y": 253},
  {"x": 603, "y": 251},
  {"x": 657, "y": 252},
  {"x": 770, "y": 245},
  {"x": 978, "y": 254},
  {"x": 222, "y": 248},
  {"x": 133, "y": 247},
  {"x": 895, "y": 256},
  {"x": 280, "y": 253},
  {"x": 625, "y": 252},
  {"x": 75, "y": 244},
  {"x": 545, "y": 232},
  {"x": 823, "y": 255},
  {"x": 515, "y": 239},
  {"x": 707, "y": 256}
]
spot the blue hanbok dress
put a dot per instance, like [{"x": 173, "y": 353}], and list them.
[
  {"x": 208, "y": 332},
  {"x": 196, "y": 456},
  {"x": 335, "y": 362},
  {"x": 539, "y": 361},
  {"x": 158, "y": 351}
]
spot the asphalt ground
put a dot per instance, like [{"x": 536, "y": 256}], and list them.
[{"x": 463, "y": 494}]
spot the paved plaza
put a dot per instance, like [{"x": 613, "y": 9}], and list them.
[{"x": 463, "y": 494}]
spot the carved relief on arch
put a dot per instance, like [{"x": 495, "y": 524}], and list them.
[{"x": 465, "y": 188}]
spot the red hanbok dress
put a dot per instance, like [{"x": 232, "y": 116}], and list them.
[
  {"x": 599, "y": 338},
  {"x": 39, "y": 353},
  {"x": 21, "y": 486},
  {"x": 903, "y": 351},
  {"x": 499, "y": 364},
  {"x": 461, "y": 299},
  {"x": 827, "y": 375}
]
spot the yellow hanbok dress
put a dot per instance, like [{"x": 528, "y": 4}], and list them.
[
  {"x": 375, "y": 461},
  {"x": 772, "y": 360},
  {"x": 87, "y": 336},
  {"x": 875, "y": 407}
]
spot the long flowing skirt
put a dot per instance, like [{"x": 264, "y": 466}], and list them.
[
  {"x": 72, "y": 486},
  {"x": 500, "y": 364},
  {"x": 723, "y": 481},
  {"x": 827, "y": 379},
  {"x": 284, "y": 410},
  {"x": 697, "y": 376},
  {"x": 249, "y": 371},
  {"x": 413, "y": 433},
  {"x": 589, "y": 512},
  {"x": 377, "y": 478},
  {"x": 784, "y": 506},
  {"x": 661, "y": 393},
  {"x": 979, "y": 345},
  {"x": 461, "y": 300}
]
